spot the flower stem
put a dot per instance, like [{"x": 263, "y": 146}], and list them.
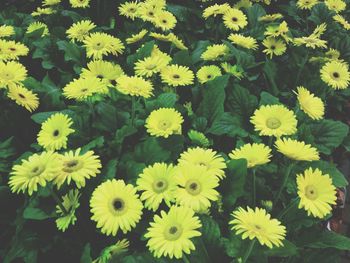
[
  {"x": 248, "y": 251},
  {"x": 185, "y": 259},
  {"x": 286, "y": 210},
  {"x": 58, "y": 201},
  {"x": 254, "y": 187},
  {"x": 133, "y": 110},
  {"x": 285, "y": 180}
]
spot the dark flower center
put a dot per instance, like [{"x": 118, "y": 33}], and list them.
[
  {"x": 234, "y": 19},
  {"x": 273, "y": 47},
  {"x": 176, "y": 76},
  {"x": 72, "y": 163},
  {"x": 21, "y": 95},
  {"x": 173, "y": 230},
  {"x": 118, "y": 204},
  {"x": 336, "y": 75},
  {"x": 56, "y": 133}
]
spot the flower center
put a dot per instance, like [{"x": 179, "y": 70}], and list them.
[
  {"x": 273, "y": 123},
  {"x": 98, "y": 46},
  {"x": 173, "y": 232},
  {"x": 164, "y": 124},
  {"x": 336, "y": 75},
  {"x": 151, "y": 66},
  {"x": 159, "y": 186},
  {"x": 72, "y": 166},
  {"x": 21, "y": 95},
  {"x": 164, "y": 21},
  {"x": 36, "y": 171},
  {"x": 234, "y": 19},
  {"x": 99, "y": 76},
  {"x": 56, "y": 133},
  {"x": 209, "y": 76},
  {"x": 193, "y": 187},
  {"x": 176, "y": 76},
  {"x": 118, "y": 206},
  {"x": 8, "y": 75},
  {"x": 311, "y": 192},
  {"x": 273, "y": 47}
]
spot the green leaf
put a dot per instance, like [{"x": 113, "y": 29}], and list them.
[
  {"x": 144, "y": 51},
  {"x": 182, "y": 58},
  {"x": 329, "y": 135},
  {"x": 86, "y": 255},
  {"x": 253, "y": 14},
  {"x": 211, "y": 233},
  {"x": 40, "y": 117},
  {"x": 150, "y": 152},
  {"x": 338, "y": 178},
  {"x": 200, "y": 47},
  {"x": 270, "y": 72},
  {"x": 329, "y": 239},
  {"x": 268, "y": 99},
  {"x": 71, "y": 51},
  {"x": 212, "y": 105},
  {"x": 35, "y": 213},
  {"x": 241, "y": 101},
  {"x": 233, "y": 185},
  {"x": 287, "y": 250},
  {"x": 110, "y": 170},
  {"x": 95, "y": 143},
  {"x": 228, "y": 124}
]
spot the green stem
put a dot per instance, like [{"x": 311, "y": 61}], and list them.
[
  {"x": 301, "y": 69},
  {"x": 58, "y": 201},
  {"x": 285, "y": 180},
  {"x": 248, "y": 251},
  {"x": 271, "y": 141},
  {"x": 185, "y": 259},
  {"x": 254, "y": 187},
  {"x": 133, "y": 110},
  {"x": 286, "y": 210}
]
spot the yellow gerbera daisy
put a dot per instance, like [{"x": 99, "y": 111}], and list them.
[
  {"x": 157, "y": 184},
  {"x": 196, "y": 187},
  {"x": 341, "y": 20},
  {"x": 51, "y": 2},
  {"x": 43, "y": 11},
  {"x": 335, "y": 5},
  {"x": 258, "y": 224},
  {"x": 255, "y": 154},
  {"x": 336, "y": 74},
  {"x": 83, "y": 88},
  {"x": 208, "y": 158},
  {"x": 306, "y": 4},
  {"x": 129, "y": 9},
  {"x": 297, "y": 150},
  {"x": 135, "y": 86},
  {"x": 80, "y": 30},
  {"x": 215, "y": 52},
  {"x": 242, "y": 41},
  {"x": 215, "y": 10},
  {"x": 77, "y": 167},
  {"x": 310, "y": 41},
  {"x": 164, "y": 122},
  {"x": 311, "y": 105},
  {"x": 115, "y": 205},
  {"x": 70, "y": 203},
  {"x": 54, "y": 132},
  {"x": 270, "y": 17},
  {"x": 274, "y": 120},
  {"x": 136, "y": 37},
  {"x": 6, "y": 31},
  {"x": 274, "y": 46},
  {"x": 12, "y": 50},
  {"x": 170, "y": 233},
  {"x": 12, "y": 73},
  {"x": 23, "y": 97},
  {"x": 106, "y": 71},
  {"x": 112, "y": 252},
  {"x": 207, "y": 73},
  {"x": 317, "y": 192},
  {"x": 150, "y": 65},
  {"x": 37, "y": 170},
  {"x": 36, "y": 26},
  {"x": 235, "y": 19},
  {"x": 165, "y": 20},
  {"x": 176, "y": 75},
  {"x": 79, "y": 3},
  {"x": 277, "y": 30}
]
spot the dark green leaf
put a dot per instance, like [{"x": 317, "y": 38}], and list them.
[{"x": 228, "y": 124}]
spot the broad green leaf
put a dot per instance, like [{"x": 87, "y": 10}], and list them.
[
  {"x": 228, "y": 124},
  {"x": 86, "y": 254},
  {"x": 95, "y": 143},
  {"x": 200, "y": 47},
  {"x": 270, "y": 72},
  {"x": 329, "y": 239},
  {"x": 40, "y": 117},
  {"x": 144, "y": 51},
  {"x": 212, "y": 105},
  {"x": 268, "y": 99},
  {"x": 35, "y": 213},
  {"x": 241, "y": 101},
  {"x": 182, "y": 58},
  {"x": 71, "y": 51},
  {"x": 287, "y": 250},
  {"x": 150, "y": 152},
  {"x": 329, "y": 135}
]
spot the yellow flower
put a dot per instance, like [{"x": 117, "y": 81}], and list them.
[
  {"x": 258, "y": 224},
  {"x": 36, "y": 26},
  {"x": 207, "y": 158},
  {"x": 150, "y": 65},
  {"x": 170, "y": 233},
  {"x": 79, "y": 3},
  {"x": 101, "y": 44},
  {"x": 115, "y": 205},
  {"x": 198, "y": 138},
  {"x": 164, "y": 122},
  {"x": 311, "y": 105},
  {"x": 215, "y": 52},
  {"x": 23, "y": 97},
  {"x": 270, "y": 17},
  {"x": 255, "y": 154},
  {"x": 277, "y": 30},
  {"x": 136, "y": 37},
  {"x": 311, "y": 42},
  {"x": 157, "y": 185},
  {"x": 105, "y": 71},
  {"x": 83, "y": 88},
  {"x": 135, "y": 86},
  {"x": 80, "y": 30},
  {"x": 77, "y": 167},
  {"x": 148, "y": 12},
  {"x": 341, "y": 20},
  {"x": 274, "y": 46},
  {"x": 207, "y": 73},
  {"x": 12, "y": 73},
  {"x": 317, "y": 192},
  {"x": 6, "y": 31},
  {"x": 297, "y": 150},
  {"x": 306, "y": 4},
  {"x": 165, "y": 20},
  {"x": 235, "y": 19},
  {"x": 42, "y": 11},
  {"x": 243, "y": 4},
  {"x": 51, "y": 2},
  {"x": 129, "y": 9},
  {"x": 70, "y": 203},
  {"x": 335, "y": 5},
  {"x": 11, "y": 50},
  {"x": 37, "y": 170},
  {"x": 215, "y": 10},
  {"x": 274, "y": 120},
  {"x": 110, "y": 253},
  {"x": 176, "y": 75},
  {"x": 54, "y": 132},
  {"x": 336, "y": 74},
  {"x": 234, "y": 70},
  {"x": 196, "y": 186},
  {"x": 242, "y": 41}
]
